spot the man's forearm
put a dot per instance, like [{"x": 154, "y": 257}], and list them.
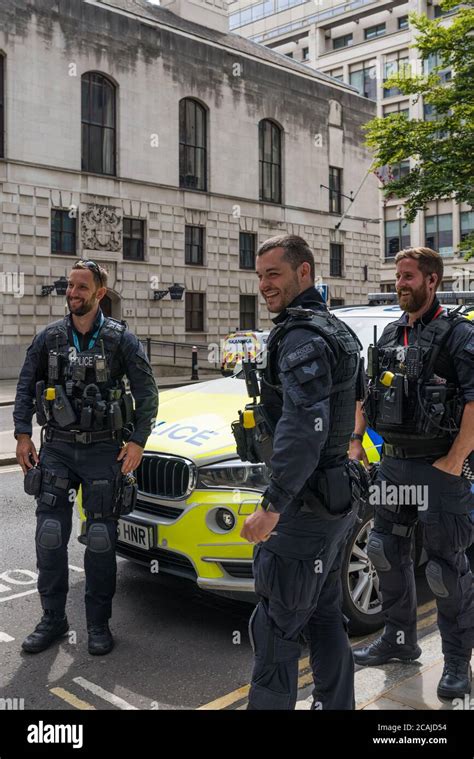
[
  {"x": 463, "y": 444},
  {"x": 360, "y": 425}
]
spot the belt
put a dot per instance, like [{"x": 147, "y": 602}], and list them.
[
  {"x": 421, "y": 451},
  {"x": 78, "y": 436}
]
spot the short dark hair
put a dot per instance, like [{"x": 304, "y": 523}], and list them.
[
  {"x": 296, "y": 250},
  {"x": 99, "y": 273},
  {"x": 429, "y": 261}
]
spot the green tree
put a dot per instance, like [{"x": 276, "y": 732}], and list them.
[{"x": 443, "y": 149}]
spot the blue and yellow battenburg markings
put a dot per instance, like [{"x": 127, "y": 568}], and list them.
[{"x": 373, "y": 445}]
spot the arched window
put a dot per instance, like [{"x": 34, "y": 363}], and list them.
[
  {"x": 192, "y": 145},
  {"x": 270, "y": 161},
  {"x": 98, "y": 124}
]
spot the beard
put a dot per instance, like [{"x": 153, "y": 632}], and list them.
[
  {"x": 414, "y": 299},
  {"x": 81, "y": 308},
  {"x": 285, "y": 296}
]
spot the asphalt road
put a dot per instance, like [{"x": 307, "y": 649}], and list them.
[{"x": 176, "y": 647}]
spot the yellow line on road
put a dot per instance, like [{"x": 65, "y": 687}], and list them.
[
  {"x": 306, "y": 677},
  {"x": 227, "y": 700},
  {"x": 70, "y": 698}
]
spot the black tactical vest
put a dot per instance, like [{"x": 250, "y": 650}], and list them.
[
  {"x": 430, "y": 407},
  {"x": 345, "y": 347},
  {"x": 91, "y": 379}
]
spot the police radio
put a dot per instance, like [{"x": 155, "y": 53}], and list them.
[{"x": 373, "y": 358}]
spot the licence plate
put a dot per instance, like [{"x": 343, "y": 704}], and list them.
[{"x": 138, "y": 535}]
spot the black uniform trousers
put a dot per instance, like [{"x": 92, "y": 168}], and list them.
[
  {"x": 64, "y": 467},
  {"x": 298, "y": 579},
  {"x": 414, "y": 489}
]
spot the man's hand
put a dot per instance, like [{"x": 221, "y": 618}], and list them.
[
  {"x": 449, "y": 465},
  {"x": 258, "y": 526},
  {"x": 131, "y": 455},
  {"x": 357, "y": 451},
  {"x": 24, "y": 449}
]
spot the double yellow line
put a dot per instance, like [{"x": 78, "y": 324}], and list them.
[{"x": 426, "y": 617}]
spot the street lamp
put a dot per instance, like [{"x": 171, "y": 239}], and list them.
[
  {"x": 60, "y": 286},
  {"x": 175, "y": 291}
]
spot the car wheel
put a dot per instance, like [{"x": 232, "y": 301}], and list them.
[{"x": 361, "y": 598}]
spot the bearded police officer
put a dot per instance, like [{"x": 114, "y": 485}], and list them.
[
  {"x": 74, "y": 377},
  {"x": 301, "y": 429},
  {"x": 421, "y": 401}
]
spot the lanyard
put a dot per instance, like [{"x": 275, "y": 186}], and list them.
[
  {"x": 405, "y": 334},
  {"x": 93, "y": 338}
]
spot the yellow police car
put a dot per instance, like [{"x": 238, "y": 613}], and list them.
[{"x": 194, "y": 493}]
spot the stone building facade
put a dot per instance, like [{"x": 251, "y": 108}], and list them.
[{"x": 98, "y": 98}]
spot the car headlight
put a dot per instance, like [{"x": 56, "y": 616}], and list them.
[{"x": 234, "y": 474}]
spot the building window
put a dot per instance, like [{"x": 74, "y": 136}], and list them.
[
  {"x": 247, "y": 250},
  {"x": 343, "y": 41},
  {"x": 439, "y": 233},
  {"x": 337, "y": 302},
  {"x": 394, "y": 63},
  {"x": 336, "y": 74},
  {"x": 336, "y": 260},
  {"x": 2, "y": 106},
  {"x": 438, "y": 11},
  {"x": 270, "y": 161},
  {"x": 403, "y": 22},
  {"x": 363, "y": 76},
  {"x": 192, "y": 145},
  {"x": 305, "y": 54},
  {"x": 194, "y": 246},
  {"x": 194, "y": 312},
  {"x": 397, "y": 237},
  {"x": 248, "y": 308},
  {"x": 289, "y": 55},
  {"x": 374, "y": 31},
  {"x": 397, "y": 108},
  {"x": 433, "y": 61},
  {"x": 63, "y": 232},
  {"x": 98, "y": 124},
  {"x": 335, "y": 189},
  {"x": 134, "y": 239},
  {"x": 400, "y": 170},
  {"x": 467, "y": 224}
]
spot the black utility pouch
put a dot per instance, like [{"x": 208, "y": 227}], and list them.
[
  {"x": 240, "y": 439},
  {"x": 32, "y": 482},
  {"x": 129, "y": 494},
  {"x": 98, "y": 498},
  {"x": 329, "y": 493}
]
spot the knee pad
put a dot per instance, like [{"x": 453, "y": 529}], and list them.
[
  {"x": 376, "y": 551},
  {"x": 49, "y": 534},
  {"x": 268, "y": 645},
  {"x": 98, "y": 539},
  {"x": 439, "y": 578}
]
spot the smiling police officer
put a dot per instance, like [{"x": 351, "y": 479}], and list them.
[
  {"x": 308, "y": 396},
  {"x": 74, "y": 378},
  {"x": 421, "y": 401}
]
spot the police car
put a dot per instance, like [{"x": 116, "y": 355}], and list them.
[
  {"x": 241, "y": 346},
  {"x": 194, "y": 493}
]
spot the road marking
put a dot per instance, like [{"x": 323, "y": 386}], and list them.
[
  {"x": 70, "y": 698},
  {"x": 120, "y": 703},
  {"x": 19, "y": 595},
  {"x": 5, "y": 638},
  {"x": 10, "y": 468},
  {"x": 76, "y": 569},
  {"x": 306, "y": 676}
]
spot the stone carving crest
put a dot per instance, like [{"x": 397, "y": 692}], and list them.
[{"x": 101, "y": 228}]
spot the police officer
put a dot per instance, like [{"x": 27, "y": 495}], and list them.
[
  {"x": 308, "y": 395},
  {"x": 421, "y": 401},
  {"x": 74, "y": 377}
]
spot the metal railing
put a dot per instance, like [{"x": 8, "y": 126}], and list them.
[{"x": 180, "y": 354}]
